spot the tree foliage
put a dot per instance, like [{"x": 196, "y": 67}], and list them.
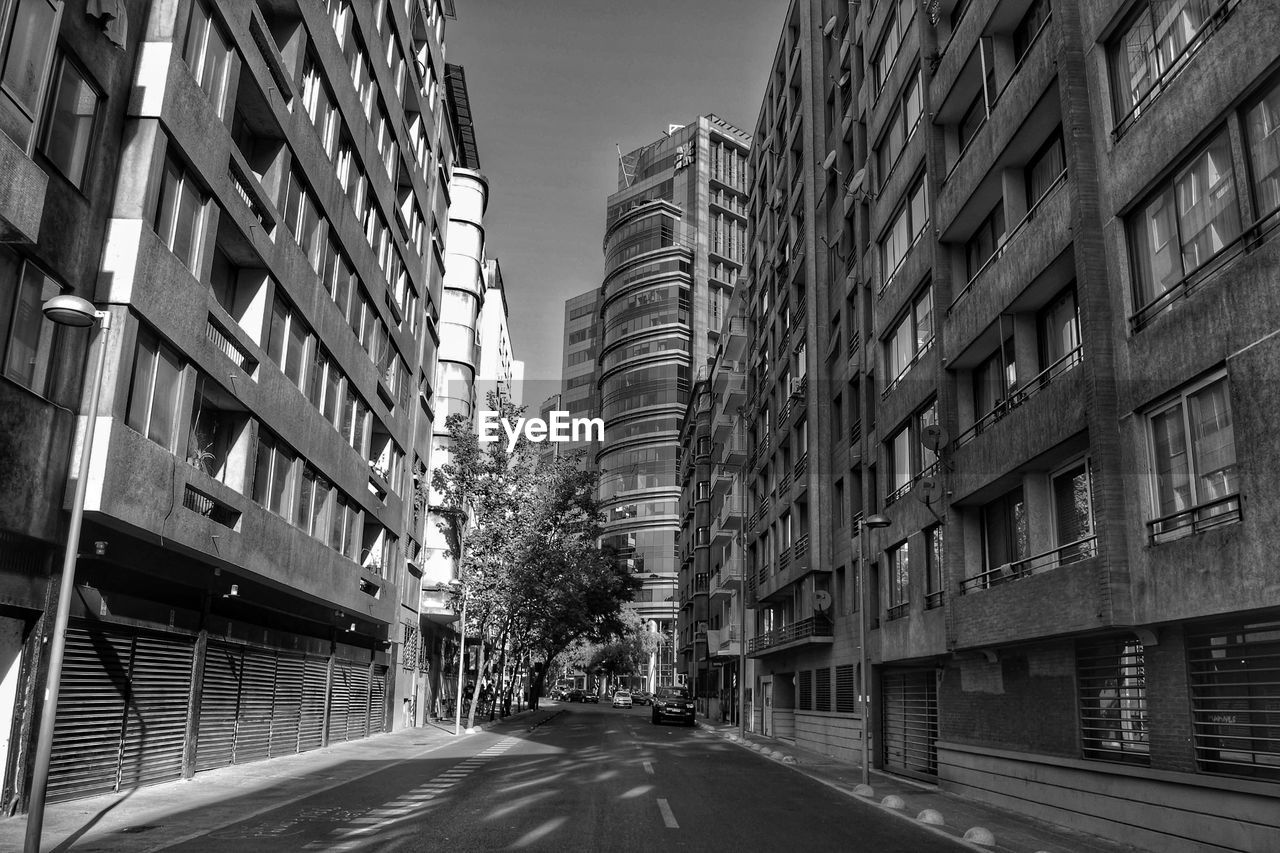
[{"x": 530, "y": 570}]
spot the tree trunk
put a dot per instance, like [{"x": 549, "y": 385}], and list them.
[
  {"x": 481, "y": 670},
  {"x": 502, "y": 670}
]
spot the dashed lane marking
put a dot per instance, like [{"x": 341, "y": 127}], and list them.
[{"x": 667, "y": 817}]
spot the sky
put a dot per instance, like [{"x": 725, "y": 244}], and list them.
[{"x": 554, "y": 84}]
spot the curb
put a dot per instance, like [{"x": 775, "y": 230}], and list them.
[{"x": 976, "y": 838}]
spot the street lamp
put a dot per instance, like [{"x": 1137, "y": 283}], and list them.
[
  {"x": 865, "y": 524},
  {"x": 65, "y": 310},
  {"x": 462, "y": 658}
]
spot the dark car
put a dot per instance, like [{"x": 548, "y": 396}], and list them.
[
  {"x": 642, "y": 697},
  {"x": 591, "y": 697},
  {"x": 575, "y": 695},
  {"x": 673, "y": 703}
]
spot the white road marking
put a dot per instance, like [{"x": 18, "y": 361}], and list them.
[
  {"x": 648, "y": 768},
  {"x": 667, "y": 817}
]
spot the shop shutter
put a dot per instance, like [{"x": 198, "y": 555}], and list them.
[
  {"x": 286, "y": 708},
  {"x": 357, "y": 700},
  {"x": 910, "y": 706},
  {"x": 339, "y": 688},
  {"x": 257, "y": 692},
  {"x": 219, "y": 700},
  {"x": 378, "y": 700},
  {"x": 155, "y": 727},
  {"x": 91, "y": 704},
  {"x": 315, "y": 686}
]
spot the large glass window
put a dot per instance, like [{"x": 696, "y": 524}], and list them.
[
  {"x": 1004, "y": 530},
  {"x": 155, "y": 389},
  {"x": 27, "y": 32},
  {"x": 912, "y": 335},
  {"x": 1193, "y": 452},
  {"x": 899, "y": 21},
  {"x": 907, "y": 227},
  {"x": 27, "y": 340},
  {"x": 1072, "y": 494},
  {"x": 1151, "y": 44},
  {"x": 909, "y": 452},
  {"x": 986, "y": 240},
  {"x": 208, "y": 54},
  {"x": 1045, "y": 168},
  {"x": 69, "y": 121},
  {"x": 899, "y": 580},
  {"x": 1261, "y": 123},
  {"x": 994, "y": 378},
  {"x": 181, "y": 213},
  {"x": 289, "y": 342},
  {"x": 302, "y": 217},
  {"x": 900, "y": 127},
  {"x": 272, "y": 479},
  {"x": 1185, "y": 223},
  {"x": 1060, "y": 330}
]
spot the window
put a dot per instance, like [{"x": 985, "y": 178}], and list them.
[
  {"x": 1072, "y": 493},
  {"x": 1004, "y": 530},
  {"x": 289, "y": 341},
  {"x": 69, "y": 121},
  {"x": 901, "y": 126},
  {"x": 313, "y": 504},
  {"x": 344, "y": 526},
  {"x": 993, "y": 379},
  {"x": 804, "y": 690},
  {"x": 1158, "y": 39},
  {"x": 702, "y": 491},
  {"x": 1045, "y": 168},
  {"x": 933, "y": 566},
  {"x": 1193, "y": 458},
  {"x": 911, "y": 336},
  {"x": 318, "y": 101},
  {"x": 1024, "y": 34},
  {"x": 208, "y": 55},
  {"x": 155, "y": 389},
  {"x": 822, "y": 689},
  {"x": 910, "y": 455},
  {"x": 28, "y": 29},
  {"x": 272, "y": 479},
  {"x": 979, "y": 109},
  {"x": 302, "y": 217},
  {"x": 899, "y": 20},
  {"x": 1234, "y": 672},
  {"x": 1059, "y": 330},
  {"x": 27, "y": 341},
  {"x": 1263, "y": 145},
  {"x": 899, "y": 580},
  {"x": 1112, "y": 682},
  {"x": 984, "y": 243},
  {"x": 1186, "y": 222},
  {"x": 907, "y": 227},
  {"x": 180, "y": 214}
]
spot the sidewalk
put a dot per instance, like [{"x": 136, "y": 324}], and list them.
[
  {"x": 1009, "y": 831},
  {"x": 154, "y": 817}
]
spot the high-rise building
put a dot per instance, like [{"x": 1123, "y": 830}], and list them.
[
  {"x": 246, "y": 192},
  {"x": 498, "y": 371},
  {"x": 1013, "y": 305},
  {"x": 579, "y": 394},
  {"x": 675, "y": 240}
]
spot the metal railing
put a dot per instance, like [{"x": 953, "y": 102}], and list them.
[
  {"x": 915, "y": 359},
  {"x": 1072, "y": 552},
  {"x": 814, "y": 626},
  {"x": 897, "y": 611},
  {"x": 802, "y": 466},
  {"x": 1197, "y": 519},
  {"x": 802, "y": 546},
  {"x": 1016, "y": 398},
  {"x": 935, "y": 599},
  {"x": 784, "y": 558},
  {"x": 229, "y": 347}
]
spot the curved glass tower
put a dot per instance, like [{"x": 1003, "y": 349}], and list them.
[{"x": 659, "y": 314}]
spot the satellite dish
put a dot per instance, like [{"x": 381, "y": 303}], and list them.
[
  {"x": 829, "y": 26},
  {"x": 928, "y": 490},
  {"x": 829, "y": 161},
  {"x": 822, "y": 601},
  {"x": 934, "y": 437},
  {"x": 855, "y": 183}
]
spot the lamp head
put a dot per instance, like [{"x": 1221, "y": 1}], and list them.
[
  {"x": 876, "y": 520},
  {"x": 68, "y": 310}
]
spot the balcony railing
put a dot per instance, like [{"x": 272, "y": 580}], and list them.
[
  {"x": 814, "y": 626},
  {"x": 1063, "y": 555},
  {"x": 784, "y": 558},
  {"x": 802, "y": 546},
  {"x": 1017, "y": 398},
  {"x": 1197, "y": 519},
  {"x": 935, "y": 599},
  {"x": 784, "y": 484},
  {"x": 1000, "y": 251},
  {"x": 802, "y": 465},
  {"x": 762, "y": 574},
  {"x": 915, "y": 359},
  {"x": 229, "y": 347},
  {"x": 855, "y": 341},
  {"x": 901, "y": 492},
  {"x": 897, "y": 611}
]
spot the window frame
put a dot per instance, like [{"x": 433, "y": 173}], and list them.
[
  {"x": 17, "y": 117},
  {"x": 175, "y": 169},
  {"x": 143, "y": 420},
  {"x": 61, "y": 61},
  {"x": 1181, "y": 399},
  {"x": 47, "y": 344}
]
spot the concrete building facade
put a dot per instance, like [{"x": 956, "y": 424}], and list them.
[
  {"x": 1012, "y": 287},
  {"x": 254, "y": 193}
]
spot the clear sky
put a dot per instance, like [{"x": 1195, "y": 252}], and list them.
[{"x": 554, "y": 84}]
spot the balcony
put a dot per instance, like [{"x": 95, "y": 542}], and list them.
[
  {"x": 735, "y": 449},
  {"x": 724, "y": 642},
  {"x": 1197, "y": 519},
  {"x": 726, "y": 581},
  {"x": 1018, "y": 397},
  {"x": 733, "y": 341},
  {"x": 722, "y": 427},
  {"x": 815, "y": 629},
  {"x": 1063, "y": 555},
  {"x": 801, "y": 468}
]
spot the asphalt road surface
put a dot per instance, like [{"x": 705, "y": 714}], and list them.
[{"x": 591, "y": 778}]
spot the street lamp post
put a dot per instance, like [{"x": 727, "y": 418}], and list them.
[
  {"x": 462, "y": 664},
  {"x": 74, "y": 311},
  {"x": 864, "y": 667}
]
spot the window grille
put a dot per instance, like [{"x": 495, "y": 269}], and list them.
[
  {"x": 846, "y": 690},
  {"x": 1235, "y": 699},
  {"x": 1112, "y": 682},
  {"x": 822, "y": 681},
  {"x": 804, "y": 701}
]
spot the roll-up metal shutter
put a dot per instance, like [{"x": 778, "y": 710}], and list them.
[
  {"x": 378, "y": 700},
  {"x": 155, "y": 727},
  {"x": 257, "y": 691},
  {"x": 339, "y": 690},
  {"x": 286, "y": 706},
  {"x": 219, "y": 701},
  {"x": 910, "y": 722},
  {"x": 91, "y": 703},
  {"x": 357, "y": 699},
  {"x": 315, "y": 687}
]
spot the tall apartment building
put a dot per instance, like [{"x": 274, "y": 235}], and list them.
[
  {"x": 1022, "y": 252},
  {"x": 249, "y": 192},
  {"x": 579, "y": 394},
  {"x": 675, "y": 234},
  {"x": 499, "y": 369}
]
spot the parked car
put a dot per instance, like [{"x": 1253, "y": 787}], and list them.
[
  {"x": 622, "y": 699},
  {"x": 591, "y": 697},
  {"x": 673, "y": 703},
  {"x": 642, "y": 697},
  {"x": 575, "y": 695}
]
